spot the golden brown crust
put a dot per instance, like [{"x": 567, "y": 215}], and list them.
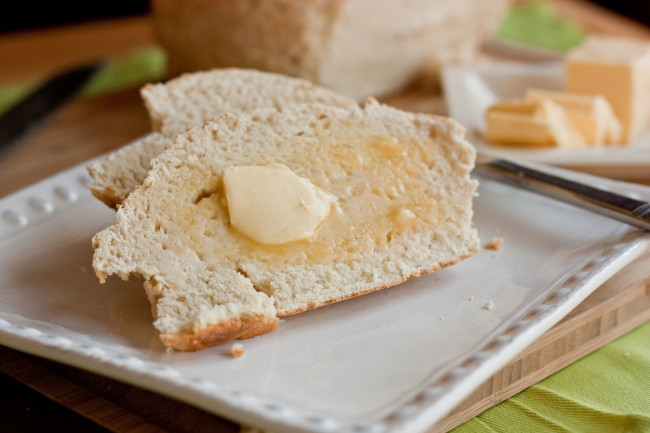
[
  {"x": 376, "y": 289},
  {"x": 238, "y": 34},
  {"x": 220, "y": 333},
  {"x": 108, "y": 200},
  {"x": 257, "y": 325}
]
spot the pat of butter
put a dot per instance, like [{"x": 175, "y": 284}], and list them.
[
  {"x": 590, "y": 114},
  {"x": 273, "y": 205},
  {"x": 531, "y": 123},
  {"x": 619, "y": 69}
]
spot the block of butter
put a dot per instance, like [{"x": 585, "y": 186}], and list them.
[
  {"x": 619, "y": 69},
  {"x": 591, "y": 115},
  {"x": 531, "y": 123}
]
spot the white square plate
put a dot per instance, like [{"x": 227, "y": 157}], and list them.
[
  {"x": 469, "y": 92},
  {"x": 393, "y": 361}
]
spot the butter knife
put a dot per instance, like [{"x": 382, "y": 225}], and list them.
[
  {"x": 616, "y": 206},
  {"x": 22, "y": 118}
]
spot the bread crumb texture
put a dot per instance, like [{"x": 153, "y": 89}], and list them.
[{"x": 208, "y": 283}]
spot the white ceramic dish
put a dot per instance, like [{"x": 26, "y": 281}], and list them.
[
  {"x": 393, "y": 361},
  {"x": 469, "y": 91}
]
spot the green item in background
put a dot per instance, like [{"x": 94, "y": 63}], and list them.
[
  {"x": 537, "y": 25},
  {"x": 13, "y": 93},
  {"x": 136, "y": 68},
  {"x": 607, "y": 391},
  {"x": 142, "y": 66}
]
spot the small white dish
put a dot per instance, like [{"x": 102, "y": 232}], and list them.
[
  {"x": 393, "y": 361},
  {"x": 470, "y": 90}
]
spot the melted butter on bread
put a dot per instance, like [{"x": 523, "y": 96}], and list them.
[{"x": 395, "y": 176}]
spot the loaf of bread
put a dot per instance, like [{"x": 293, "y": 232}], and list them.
[
  {"x": 402, "y": 208},
  {"x": 190, "y": 100},
  {"x": 360, "y": 48}
]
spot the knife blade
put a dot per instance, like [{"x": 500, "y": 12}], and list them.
[
  {"x": 26, "y": 115},
  {"x": 625, "y": 209}
]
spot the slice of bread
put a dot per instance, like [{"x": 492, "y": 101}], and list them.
[
  {"x": 192, "y": 99},
  {"x": 403, "y": 209},
  {"x": 189, "y": 101}
]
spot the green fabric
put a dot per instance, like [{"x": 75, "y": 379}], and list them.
[
  {"x": 608, "y": 391},
  {"x": 136, "y": 68},
  {"x": 536, "y": 24}
]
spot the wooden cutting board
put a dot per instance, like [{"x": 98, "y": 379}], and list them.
[{"x": 87, "y": 128}]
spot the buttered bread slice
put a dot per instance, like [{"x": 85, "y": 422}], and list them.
[
  {"x": 190, "y": 100},
  {"x": 270, "y": 213}
]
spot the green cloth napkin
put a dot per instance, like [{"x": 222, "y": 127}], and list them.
[
  {"x": 607, "y": 391},
  {"x": 136, "y": 68},
  {"x": 537, "y": 25}
]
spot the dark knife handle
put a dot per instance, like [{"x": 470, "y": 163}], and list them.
[
  {"x": 45, "y": 100},
  {"x": 625, "y": 209}
]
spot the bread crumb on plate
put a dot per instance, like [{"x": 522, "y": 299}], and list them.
[
  {"x": 488, "y": 305},
  {"x": 495, "y": 244},
  {"x": 237, "y": 350}
]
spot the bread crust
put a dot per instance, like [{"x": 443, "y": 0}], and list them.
[
  {"x": 376, "y": 289},
  {"x": 217, "y": 333},
  {"x": 238, "y": 328},
  {"x": 107, "y": 196}
]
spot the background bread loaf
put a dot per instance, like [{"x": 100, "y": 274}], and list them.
[{"x": 360, "y": 48}]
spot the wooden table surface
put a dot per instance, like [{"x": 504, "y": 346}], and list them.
[{"x": 89, "y": 127}]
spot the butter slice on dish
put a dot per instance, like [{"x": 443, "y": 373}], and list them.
[
  {"x": 592, "y": 115},
  {"x": 531, "y": 123}
]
